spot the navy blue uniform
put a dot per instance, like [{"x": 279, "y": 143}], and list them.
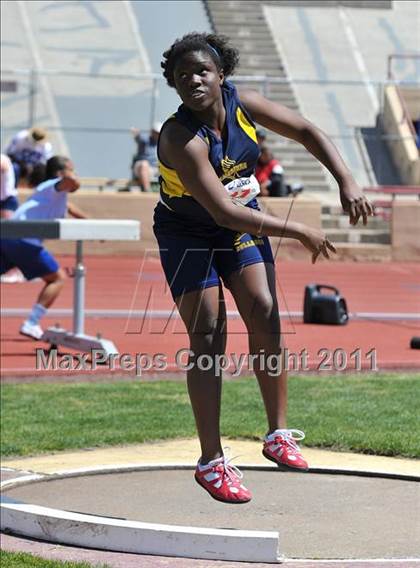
[{"x": 195, "y": 251}]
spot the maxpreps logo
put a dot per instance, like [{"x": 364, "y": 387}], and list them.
[{"x": 231, "y": 169}]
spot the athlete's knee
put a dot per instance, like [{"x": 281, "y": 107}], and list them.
[
  {"x": 264, "y": 313},
  {"x": 58, "y": 278}
]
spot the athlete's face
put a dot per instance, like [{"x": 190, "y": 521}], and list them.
[{"x": 198, "y": 80}]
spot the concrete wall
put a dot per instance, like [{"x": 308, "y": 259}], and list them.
[
  {"x": 412, "y": 101},
  {"x": 405, "y": 230},
  {"x": 403, "y": 147},
  {"x": 140, "y": 206},
  {"x": 302, "y": 210}
]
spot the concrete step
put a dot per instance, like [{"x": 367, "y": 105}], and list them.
[
  {"x": 261, "y": 59},
  {"x": 355, "y": 235},
  {"x": 246, "y": 69},
  {"x": 287, "y": 156},
  {"x": 281, "y": 95},
  {"x": 256, "y": 17},
  {"x": 256, "y": 22},
  {"x": 306, "y": 177},
  {"x": 284, "y": 99},
  {"x": 241, "y": 31},
  {"x": 291, "y": 164},
  {"x": 218, "y": 5},
  {"x": 248, "y": 46},
  {"x": 280, "y": 88},
  {"x": 260, "y": 44},
  {"x": 268, "y": 80},
  {"x": 227, "y": 8},
  {"x": 342, "y": 222},
  {"x": 223, "y": 5}
]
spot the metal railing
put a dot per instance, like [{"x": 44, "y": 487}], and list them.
[
  {"x": 26, "y": 107},
  {"x": 29, "y": 83}
]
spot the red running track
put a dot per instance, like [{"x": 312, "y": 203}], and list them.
[{"x": 125, "y": 283}]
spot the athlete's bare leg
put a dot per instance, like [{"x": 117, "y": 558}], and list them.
[
  {"x": 254, "y": 290},
  {"x": 204, "y": 315},
  {"x": 143, "y": 174}
]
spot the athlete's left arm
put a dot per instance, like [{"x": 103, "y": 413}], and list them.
[
  {"x": 75, "y": 211},
  {"x": 290, "y": 124}
]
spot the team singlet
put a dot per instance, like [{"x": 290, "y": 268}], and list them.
[{"x": 233, "y": 158}]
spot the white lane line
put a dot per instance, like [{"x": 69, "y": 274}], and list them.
[
  {"x": 360, "y": 62},
  {"x": 343, "y": 561},
  {"x": 162, "y": 314},
  {"x": 43, "y": 80}
]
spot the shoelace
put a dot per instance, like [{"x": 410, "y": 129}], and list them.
[
  {"x": 230, "y": 471},
  {"x": 290, "y": 437}
]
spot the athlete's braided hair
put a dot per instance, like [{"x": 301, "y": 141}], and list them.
[{"x": 224, "y": 56}]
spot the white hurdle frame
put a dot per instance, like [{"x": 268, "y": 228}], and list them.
[{"x": 78, "y": 230}]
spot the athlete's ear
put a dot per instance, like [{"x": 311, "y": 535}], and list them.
[{"x": 221, "y": 77}]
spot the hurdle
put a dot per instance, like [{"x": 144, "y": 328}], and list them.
[{"x": 78, "y": 230}]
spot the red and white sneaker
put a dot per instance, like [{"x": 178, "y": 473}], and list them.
[
  {"x": 281, "y": 448},
  {"x": 222, "y": 481}
]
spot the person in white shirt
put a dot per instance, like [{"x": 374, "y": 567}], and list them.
[
  {"x": 8, "y": 191},
  {"x": 49, "y": 201},
  {"x": 27, "y": 150}
]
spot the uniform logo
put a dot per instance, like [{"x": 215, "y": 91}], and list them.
[
  {"x": 244, "y": 240},
  {"x": 231, "y": 169}
]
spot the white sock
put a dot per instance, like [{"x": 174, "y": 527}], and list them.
[
  {"x": 271, "y": 436},
  {"x": 210, "y": 464},
  {"x": 36, "y": 314}
]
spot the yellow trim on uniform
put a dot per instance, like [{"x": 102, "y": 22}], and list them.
[
  {"x": 171, "y": 184},
  {"x": 245, "y": 125}
]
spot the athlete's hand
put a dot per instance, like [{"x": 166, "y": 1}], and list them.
[
  {"x": 317, "y": 243},
  {"x": 354, "y": 202}
]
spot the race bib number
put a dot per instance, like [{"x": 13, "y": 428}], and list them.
[{"x": 244, "y": 189}]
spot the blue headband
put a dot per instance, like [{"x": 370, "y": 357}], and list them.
[{"x": 214, "y": 50}]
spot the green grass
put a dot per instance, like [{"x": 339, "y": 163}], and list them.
[
  {"x": 24, "y": 560},
  {"x": 373, "y": 413}
]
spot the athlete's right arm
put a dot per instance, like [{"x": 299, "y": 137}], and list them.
[{"x": 186, "y": 153}]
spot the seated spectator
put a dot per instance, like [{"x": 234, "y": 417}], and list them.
[
  {"x": 8, "y": 191},
  {"x": 261, "y": 137},
  {"x": 269, "y": 174},
  {"x": 145, "y": 161},
  {"x": 27, "y": 149},
  {"x": 49, "y": 201}
]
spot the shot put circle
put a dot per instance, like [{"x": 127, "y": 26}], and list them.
[{"x": 328, "y": 514}]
